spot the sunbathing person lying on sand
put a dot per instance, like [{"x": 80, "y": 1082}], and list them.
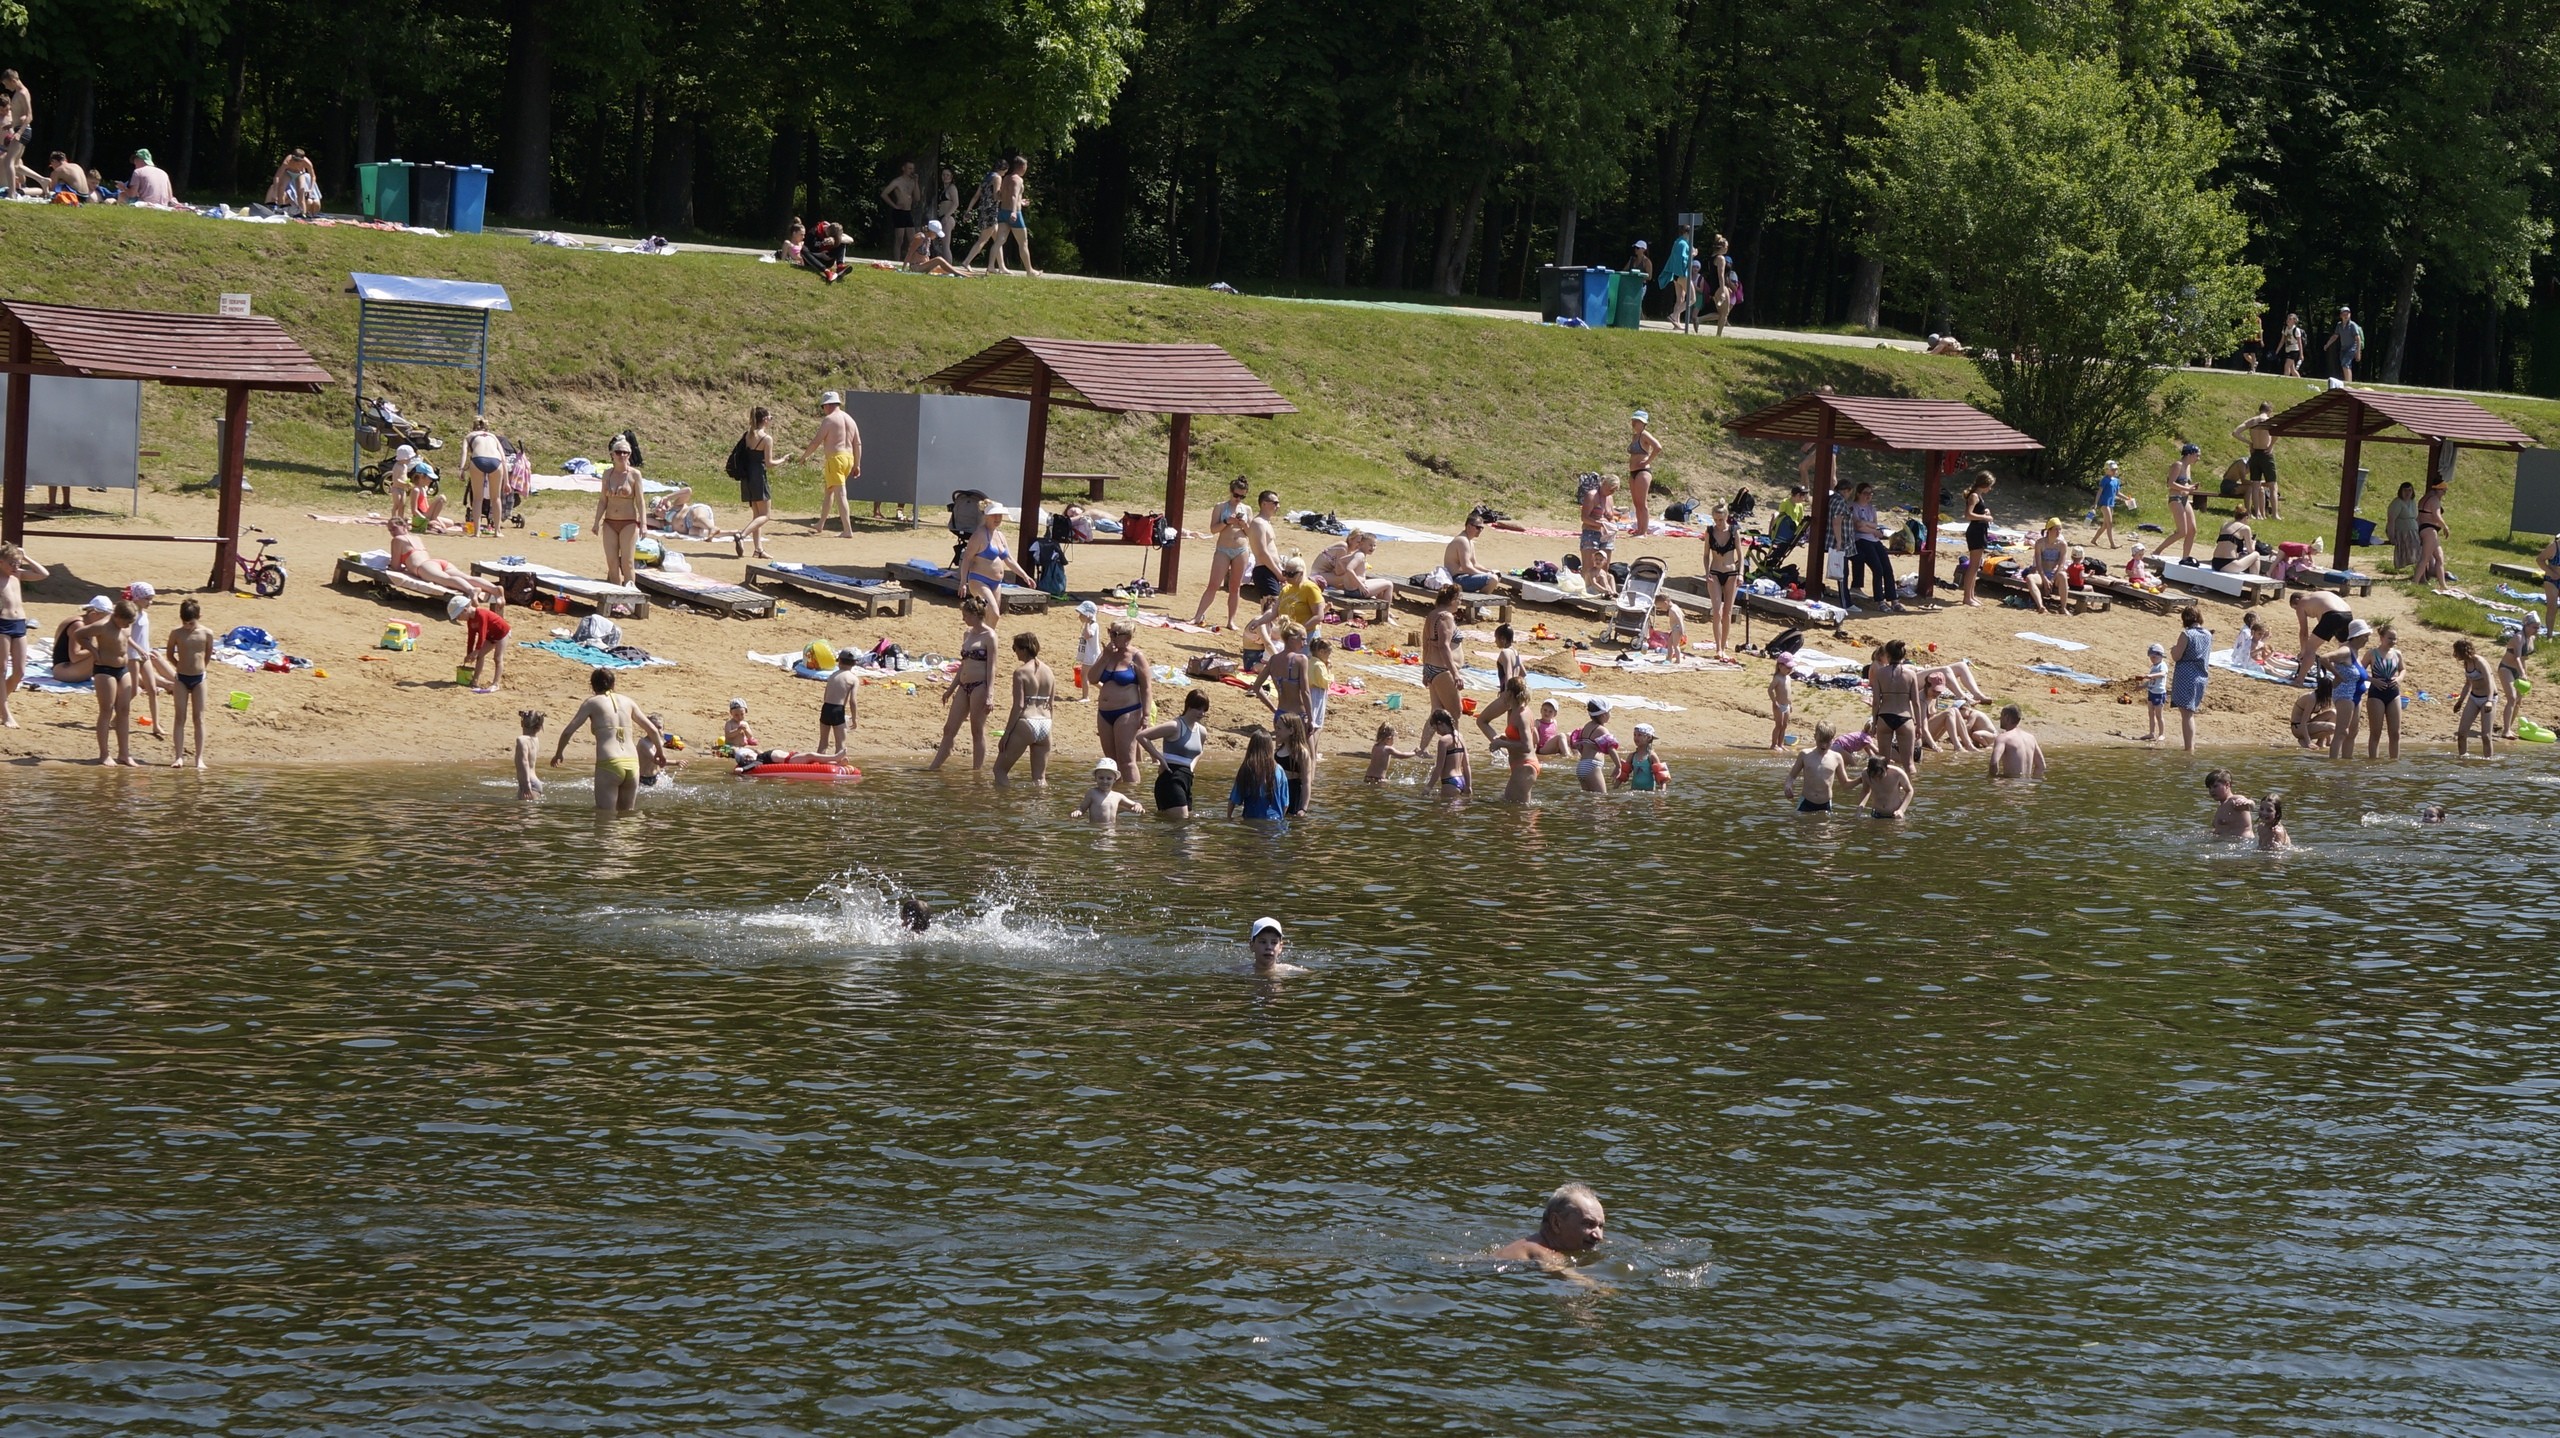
[{"x": 409, "y": 556}]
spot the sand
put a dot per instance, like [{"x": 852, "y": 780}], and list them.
[{"x": 361, "y": 704}]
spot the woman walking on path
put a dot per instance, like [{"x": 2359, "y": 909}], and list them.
[
  {"x": 1642, "y": 450},
  {"x": 1977, "y": 531},
  {"x": 2191, "y": 654},
  {"x": 1728, "y": 288},
  {"x": 2289, "y": 341}
]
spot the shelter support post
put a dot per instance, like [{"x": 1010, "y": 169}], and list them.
[
  {"x": 13, "y": 464},
  {"x": 1177, "y": 477},
  {"x": 1825, "y": 463},
  {"x": 2344, "y": 539},
  {"x": 1941, "y": 464},
  {"x": 235, "y": 457},
  {"x": 1035, "y": 457}
]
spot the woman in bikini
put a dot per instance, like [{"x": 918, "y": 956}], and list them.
[
  {"x": 1594, "y": 749},
  {"x": 2048, "y": 578},
  {"x": 2235, "y": 549},
  {"x": 1026, "y": 724},
  {"x": 1126, "y": 692},
  {"x": 1176, "y": 747},
  {"x": 2549, "y": 559},
  {"x": 618, "y": 513},
  {"x": 2479, "y": 696},
  {"x": 1893, "y": 708},
  {"x": 2382, "y": 696},
  {"x": 2511, "y": 675},
  {"x": 1228, "y": 564},
  {"x": 1977, "y": 531},
  {"x": 1510, "y": 682},
  {"x": 985, "y": 561},
  {"x": 1642, "y": 450},
  {"x": 1724, "y": 574},
  {"x": 1451, "y": 772},
  {"x": 15, "y": 567},
  {"x": 2431, "y": 534},
  {"x": 619, "y": 724},
  {"x": 2182, "y": 505},
  {"x": 972, "y": 687}
]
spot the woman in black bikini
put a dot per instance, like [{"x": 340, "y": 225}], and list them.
[
  {"x": 1642, "y": 449},
  {"x": 2431, "y": 535},
  {"x": 1126, "y": 692},
  {"x": 1977, "y": 531},
  {"x": 1724, "y": 573},
  {"x": 1896, "y": 693},
  {"x": 972, "y": 688}
]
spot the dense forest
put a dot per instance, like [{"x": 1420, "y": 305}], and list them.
[{"x": 2393, "y": 155}]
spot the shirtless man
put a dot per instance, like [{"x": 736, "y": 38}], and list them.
[
  {"x": 620, "y": 512},
  {"x": 1816, "y": 770},
  {"x": 1573, "y": 1225},
  {"x": 2234, "y": 813},
  {"x": 190, "y": 647},
  {"x": 1261, "y": 538},
  {"x": 840, "y": 440},
  {"x": 63, "y": 171},
  {"x": 14, "y": 567},
  {"x": 409, "y": 556},
  {"x": 1507, "y": 666},
  {"x": 1440, "y": 650},
  {"x": 1009, "y": 216},
  {"x": 1460, "y": 559},
  {"x": 1887, "y": 791},
  {"x": 2015, "y": 754},
  {"x": 2318, "y": 614},
  {"x": 618, "y": 724},
  {"x": 17, "y": 125},
  {"x": 1267, "y": 943},
  {"x": 902, "y": 195},
  {"x": 2261, "y": 499}
]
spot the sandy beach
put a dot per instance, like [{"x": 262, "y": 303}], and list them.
[{"x": 358, "y": 703}]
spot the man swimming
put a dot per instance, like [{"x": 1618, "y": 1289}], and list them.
[
  {"x": 1572, "y": 1225},
  {"x": 2234, "y": 813},
  {"x": 1268, "y": 943}
]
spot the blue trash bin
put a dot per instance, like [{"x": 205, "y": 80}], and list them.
[
  {"x": 470, "y": 198},
  {"x": 1595, "y": 296}
]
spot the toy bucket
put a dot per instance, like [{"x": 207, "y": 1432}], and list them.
[
  {"x": 462, "y": 675},
  {"x": 569, "y": 531},
  {"x": 240, "y": 700}
]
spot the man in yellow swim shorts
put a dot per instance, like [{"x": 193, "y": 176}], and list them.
[{"x": 840, "y": 440}]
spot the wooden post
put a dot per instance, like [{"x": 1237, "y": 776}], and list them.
[
  {"x": 235, "y": 459},
  {"x": 1177, "y": 476},
  {"x": 1941, "y": 463},
  {"x": 13, "y": 465},
  {"x": 1824, "y": 465},
  {"x": 1035, "y": 455},
  {"x": 2345, "y": 537}
]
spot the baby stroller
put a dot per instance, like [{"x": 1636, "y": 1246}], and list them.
[
  {"x": 968, "y": 508},
  {"x": 381, "y": 428},
  {"x": 515, "y": 481}
]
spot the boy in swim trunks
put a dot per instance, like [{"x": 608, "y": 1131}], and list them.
[
  {"x": 14, "y": 567},
  {"x": 109, "y": 637},
  {"x": 1781, "y": 700},
  {"x": 1887, "y": 791},
  {"x": 529, "y": 724},
  {"x": 190, "y": 646},
  {"x": 1816, "y": 770},
  {"x": 835, "y": 708}
]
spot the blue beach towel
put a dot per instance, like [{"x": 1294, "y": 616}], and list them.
[{"x": 593, "y": 657}]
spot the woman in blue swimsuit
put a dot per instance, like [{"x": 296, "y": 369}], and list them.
[
  {"x": 1125, "y": 692},
  {"x": 973, "y": 687},
  {"x": 985, "y": 561}
]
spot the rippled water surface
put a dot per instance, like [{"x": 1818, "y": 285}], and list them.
[{"x": 377, "y": 1103}]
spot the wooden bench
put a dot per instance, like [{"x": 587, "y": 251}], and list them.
[
  {"x": 1354, "y": 606},
  {"x": 2344, "y": 581},
  {"x": 885, "y": 596},
  {"x": 1011, "y": 599},
  {"x": 2137, "y": 596},
  {"x": 1093, "y": 483},
  {"x": 352, "y": 571},
  {"x": 1472, "y": 608},
  {"x": 2501, "y": 569},
  {"x": 703, "y": 592},
  {"x": 2088, "y": 597},
  {"x": 602, "y": 597},
  {"x": 1548, "y": 596}
]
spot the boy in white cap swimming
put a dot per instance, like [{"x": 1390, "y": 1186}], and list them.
[
  {"x": 1268, "y": 942},
  {"x": 1103, "y": 802}
]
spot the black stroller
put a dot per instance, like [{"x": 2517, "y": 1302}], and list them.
[{"x": 381, "y": 429}]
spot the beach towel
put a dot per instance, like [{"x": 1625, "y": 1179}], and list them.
[
  {"x": 580, "y": 484},
  {"x": 1159, "y": 621},
  {"x": 1386, "y": 532},
  {"x": 2222, "y": 660},
  {"x": 1814, "y": 661},
  {"x": 47, "y": 684},
  {"x": 593, "y": 657},
  {"x": 2065, "y": 671},
  {"x": 832, "y": 576},
  {"x": 2073, "y": 646},
  {"x": 1638, "y": 701}
]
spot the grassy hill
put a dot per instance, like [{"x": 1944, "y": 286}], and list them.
[{"x": 1405, "y": 413}]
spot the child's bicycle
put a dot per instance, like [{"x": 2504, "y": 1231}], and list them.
[{"x": 262, "y": 572}]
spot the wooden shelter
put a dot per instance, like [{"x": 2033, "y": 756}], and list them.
[
  {"x": 1115, "y": 378},
  {"x": 1945, "y": 430},
  {"x": 2441, "y": 422},
  {"x": 231, "y": 353}
]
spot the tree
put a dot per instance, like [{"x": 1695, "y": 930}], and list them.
[{"x": 2059, "y": 214}]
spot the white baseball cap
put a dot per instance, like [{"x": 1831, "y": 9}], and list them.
[
  {"x": 737, "y": 703},
  {"x": 1642, "y": 245},
  {"x": 1644, "y": 731},
  {"x": 1263, "y": 923},
  {"x": 933, "y": 226},
  {"x": 829, "y": 397},
  {"x": 139, "y": 591},
  {"x": 1106, "y": 766},
  {"x": 454, "y": 607},
  {"x": 99, "y": 604}
]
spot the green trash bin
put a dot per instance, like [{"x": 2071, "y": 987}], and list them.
[
  {"x": 369, "y": 190},
  {"x": 391, "y": 192},
  {"x": 1626, "y": 302}
]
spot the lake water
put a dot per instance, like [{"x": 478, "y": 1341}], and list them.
[{"x": 371, "y": 1102}]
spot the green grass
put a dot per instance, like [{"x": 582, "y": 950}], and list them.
[
  {"x": 1405, "y": 413},
  {"x": 2456, "y": 616}
]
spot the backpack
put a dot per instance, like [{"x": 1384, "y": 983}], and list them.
[{"x": 737, "y": 466}]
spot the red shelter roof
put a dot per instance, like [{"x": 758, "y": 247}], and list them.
[
  {"x": 1118, "y": 377},
  {"x": 2369, "y": 413},
  {"x": 1885, "y": 422},
  {"x": 216, "y": 351}
]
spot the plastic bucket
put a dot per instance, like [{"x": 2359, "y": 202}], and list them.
[{"x": 569, "y": 531}]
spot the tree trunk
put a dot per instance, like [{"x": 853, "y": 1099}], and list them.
[
  {"x": 1290, "y": 202},
  {"x": 1443, "y": 234},
  {"x": 368, "y": 126},
  {"x": 183, "y": 129},
  {"x": 524, "y": 153},
  {"x": 1518, "y": 288},
  {"x": 637, "y": 183},
  {"x": 782, "y": 166},
  {"x": 813, "y": 160},
  {"x": 1391, "y": 248},
  {"x": 1213, "y": 221},
  {"x": 1459, "y": 247},
  {"x": 235, "y": 97},
  {"x": 335, "y": 172},
  {"x": 2401, "y": 317},
  {"x": 670, "y": 188},
  {"x": 84, "y": 135},
  {"x": 1566, "y": 220},
  {"x": 1337, "y": 258},
  {"x": 1866, "y": 294},
  {"x": 1109, "y": 152}
]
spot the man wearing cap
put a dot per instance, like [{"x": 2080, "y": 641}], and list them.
[
  {"x": 1572, "y": 1225},
  {"x": 149, "y": 185},
  {"x": 1460, "y": 558},
  {"x": 2346, "y": 345},
  {"x": 840, "y": 440},
  {"x": 1103, "y": 802},
  {"x": 1268, "y": 942}
]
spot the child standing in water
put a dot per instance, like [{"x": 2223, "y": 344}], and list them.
[
  {"x": 190, "y": 646},
  {"x": 1103, "y": 802},
  {"x": 1888, "y": 788},
  {"x": 835, "y": 707},
  {"x": 1643, "y": 769},
  {"x": 2270, "y": 823},
  {"x": 1781, "y": 699},
  {"x": 1381, "y": 752},
  {"x": 1816, "y": 770},
  {"x": 2479, "y": 696},
  {"x": 2155, "y": 694},
  {"x": 529, "y": 725}
]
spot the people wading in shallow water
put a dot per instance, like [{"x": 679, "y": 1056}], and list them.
[
  {"x": 1176, "y": 747},
  {"x": 619, "y": 726},
  {"x": 1125, "y": 691},
  {"x": 1266, "y": 945},
  {"x": 972, "y": 686},
  {"x": 1026, "y": 724}
]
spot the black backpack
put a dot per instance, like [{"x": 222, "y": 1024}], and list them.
[{"x": 737, "y": 466}]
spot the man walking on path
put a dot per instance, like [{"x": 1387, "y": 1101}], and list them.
[{"x": 2346, "y": 345}]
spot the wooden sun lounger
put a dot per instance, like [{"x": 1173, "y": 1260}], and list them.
[
  {"x": 596, "y": 594},
  {"x": 2088, "y": 597},
  {"x": 885, "y": 597},
  {"x": 1472, "y": 608},
  {"x": 2205, "y": 579},
  {"x": 2525, "y": 572},
  {"x": 1011, "y": 599},
  {"x": 703, "y": 592},
  {"x": 352, "y": 570},
  {"x": 1547, "y": 596},
  {"x": 1354, "y": 606},
  {"x": 2137, "y": 596},
  {"x": 2344, "y": 581}
]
